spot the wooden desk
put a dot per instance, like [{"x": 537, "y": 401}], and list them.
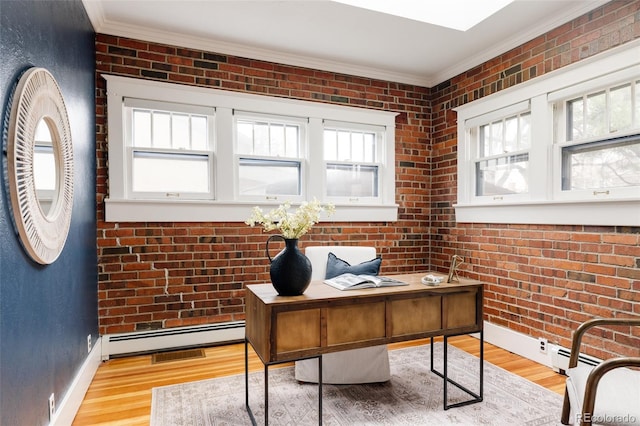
[{"x": 325, "y": 319}]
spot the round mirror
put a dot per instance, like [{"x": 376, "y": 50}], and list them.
[{"x": 40, "y": 160}]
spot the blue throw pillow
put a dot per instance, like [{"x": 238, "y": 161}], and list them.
[{"x": 337, "y": 266}]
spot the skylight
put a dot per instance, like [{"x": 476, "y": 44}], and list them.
[{"x": 456, "y": 14}]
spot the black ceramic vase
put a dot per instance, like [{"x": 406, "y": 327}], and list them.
[{"x": 290, "y": 269}]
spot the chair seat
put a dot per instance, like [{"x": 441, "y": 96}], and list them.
[
  {"x": 356, "y": 366},
  {"x": 618, "y": 395}
]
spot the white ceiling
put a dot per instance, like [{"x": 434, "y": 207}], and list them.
[{"x": 331, "y": 36}]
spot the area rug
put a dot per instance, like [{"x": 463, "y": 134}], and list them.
[{"x": 413, "y": 396}]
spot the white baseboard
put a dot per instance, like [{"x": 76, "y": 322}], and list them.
[
  {"x": 171, "y": 338},
  {"x": 67, "y": 409},
  {"x": 518, "y": 343},
  {"x": 149, "y": 341}
]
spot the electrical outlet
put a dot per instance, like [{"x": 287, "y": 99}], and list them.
[
  {"x": 89, "y": 343},
  {"x": 52, "y": 406},
  {"x": 543, "y": 344}
]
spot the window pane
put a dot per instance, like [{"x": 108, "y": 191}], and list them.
[
  {"x": 495, "y": 142},
  {"x": 244, "y": 137},
  {"x": 620, "y": 114},
  {"x": 261, "y": 139},
  {"x": 602, "y": 165},
  {"x": 330, "y": 145},
  {"x": 180, "y": 133},
  {"x": 277, "y": 140},
  {"x": 199, "y": 133},
  {"x": 357, "y": 147},
  {"x": 596, "y": 117},
  {"x": 352, "y": 180},
  {"x": 491, "y": 139},
  {"x": 503, "y": 175},
  {"x": 142, "y": 128},
  {"x": 344, "y": 146},
  {"x": 161, "y": 130},
  {"x": 269, "y": 177},
  {"x": 160, "y": 172},
  {"x": 525, "y": 131},
  {"x": 292, "y": 138},
  {"x": 369, "y": 147},
  {"x": 510, "y": 134},
  {"x": 575, "y": 117}
]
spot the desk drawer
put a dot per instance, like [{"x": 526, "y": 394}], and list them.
[
  {"x": 355, "y": 323},
  {"x": 460, "y": 310},
  {"x": 297, "y": 330},
  {"x": 419, "y": 315}
]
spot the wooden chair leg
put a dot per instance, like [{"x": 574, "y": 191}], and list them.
[{"x": 566, "y": 409}]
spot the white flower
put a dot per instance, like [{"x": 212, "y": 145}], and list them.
[{"x": 290, "y": 224}]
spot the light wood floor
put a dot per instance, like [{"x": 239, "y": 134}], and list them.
[{"x": 120, "y": 393}]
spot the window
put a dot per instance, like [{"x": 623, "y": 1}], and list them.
[
  {"x": 268, "y": 157},
  {"x": 502, "y": 166},
  {"x": 351, "y": 155},
  {"x": 183, "y": 153},
  {"x": 170, "y": 150},
  {"x": 560, "y": 149},
  {"x": 601, "y": 148}
]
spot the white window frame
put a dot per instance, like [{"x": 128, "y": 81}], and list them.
[
  {"x": 473, "y": 130},
  {"x": 131, "y": 103},
  {"x": 227, "y": 207},
  {"x": 379, "y": 163},
  {"x": 545, "y": 203},
  {"x": 300, "y": 158},
  {"x": 559, "y": 101}
]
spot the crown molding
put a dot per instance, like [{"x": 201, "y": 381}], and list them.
[{"x": 104, "y": 26}]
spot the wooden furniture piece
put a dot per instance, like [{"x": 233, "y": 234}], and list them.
[
  {"x": 609, "y": 390},
  {"x": 325, "y": 320},
  {"x": 362, "y": 365}
]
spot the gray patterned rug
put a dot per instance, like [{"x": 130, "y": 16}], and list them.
[{"x": 413, "y": 396}]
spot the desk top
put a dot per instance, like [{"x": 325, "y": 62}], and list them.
[{"x": 318, "y": 290}]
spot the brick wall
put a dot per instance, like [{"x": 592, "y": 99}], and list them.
[
  {"x": 541, "y": 280},
  {"x": 156, "y": 275}
]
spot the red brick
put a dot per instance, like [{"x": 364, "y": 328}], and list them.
[{"x": 525, "y": 290}]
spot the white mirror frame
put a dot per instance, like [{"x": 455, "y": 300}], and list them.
[{"x": 38, "y": 97}]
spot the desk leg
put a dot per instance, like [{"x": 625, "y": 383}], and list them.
[
  {"x": 320, "y": 390},
  {"x": 266, "y": 388},
  {"x": 246, "y": 382},
  {"x": 476, "y": 397}
]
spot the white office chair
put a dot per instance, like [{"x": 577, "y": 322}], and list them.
[{"x": 365, "y": 365}]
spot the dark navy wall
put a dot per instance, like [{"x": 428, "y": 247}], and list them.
[{"x": 46, "y": 312}]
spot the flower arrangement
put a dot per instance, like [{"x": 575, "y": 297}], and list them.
[{"x": 292, "y": 225}]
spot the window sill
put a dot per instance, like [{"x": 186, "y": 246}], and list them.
[
  {"x": 607, "y": 213},
  {"x": 210, "y": 211}
]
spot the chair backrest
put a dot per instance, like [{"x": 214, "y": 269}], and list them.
[{"x": 352, "y": 254}]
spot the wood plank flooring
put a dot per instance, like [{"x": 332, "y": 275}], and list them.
[{"x": 120, "y": 393}]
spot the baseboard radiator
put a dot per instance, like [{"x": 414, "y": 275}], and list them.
[
  {"x": 560, "y": 359},
  {"x": 171, "y": 338}
]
